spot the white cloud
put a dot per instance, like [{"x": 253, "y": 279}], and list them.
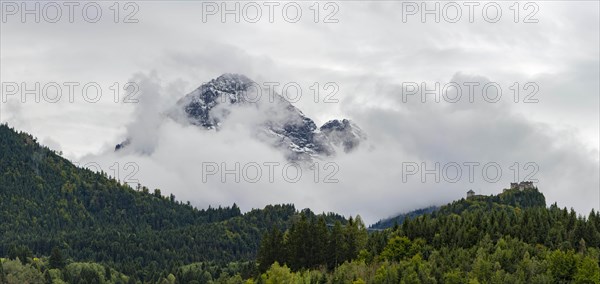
[{"x": 368, "y": 54}]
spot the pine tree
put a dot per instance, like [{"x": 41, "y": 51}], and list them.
[
  {"x": 56, "y": 259},
  {"x": 337, "y": 247},
  {"x": 271, "y": 249},
  {"x": 300, "y": 244},
  {"x": 2, "y": 275},
  {"x": 321, "y": 237},
  {"x": 350, "y": 237}
]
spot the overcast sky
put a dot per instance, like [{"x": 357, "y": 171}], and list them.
[{"x": 370, "y": 53}]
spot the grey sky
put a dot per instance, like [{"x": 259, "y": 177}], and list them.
[{"x": 369, "y": 54}]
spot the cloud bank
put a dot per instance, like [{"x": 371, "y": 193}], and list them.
[{"x": 377, "y": 180}]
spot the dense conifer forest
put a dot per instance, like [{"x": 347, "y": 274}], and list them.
[{"x": 64, "y": 224}]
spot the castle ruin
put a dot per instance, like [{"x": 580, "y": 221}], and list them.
[
  {"x": 513, "y": 185},
  {"x": 521, "y": 185}
]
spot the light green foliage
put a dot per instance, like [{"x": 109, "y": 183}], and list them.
[
  {"x": 55, "y": 276},
  {"x": 398, "y": 248},
  {"x": 454, "y": 277},
  {"x": 401, "y": 247},
  {"x": 387, "y": 273},
  {"x": 587, "y": 271},
  {"x": 84, "y": 273},
  {"x": 562, "y": 265},
  {"x": 279, "y": 274},
  {"x": 16, "y": 272}
]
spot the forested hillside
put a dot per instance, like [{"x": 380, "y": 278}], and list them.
[
  {"x": 46, "y": 202},
  {"x": 507, "y": 238},
  {"x": 63, "y": 224}
]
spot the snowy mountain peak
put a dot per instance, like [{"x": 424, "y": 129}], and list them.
[
  {"x": 343, "y": 133},
  {"x": 335, "y": 125},
  {"x": 280, "y": 124},
  {"x": 230, "y": 82}
]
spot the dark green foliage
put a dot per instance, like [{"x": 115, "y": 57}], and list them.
[
  {"x": 47, "y": 202},
  {"x": 2, "y": 273},
  {"x": 271, "y": 249},
  {"x": 463, "y": 223},
  {"x": 57, "y": 259},
  {"x": 337, "y": 247},
  {"x": 21, "y": 252},
  {"x": 70, "y": 224},
  {"x": 508, "y": 238},
  {"x": 310, "y": 244}
]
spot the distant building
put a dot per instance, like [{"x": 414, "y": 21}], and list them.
[
  {"x": 525, "y": 185},
  {"x": 470, "y": 193},
  {"x": 522, "y": 185}
]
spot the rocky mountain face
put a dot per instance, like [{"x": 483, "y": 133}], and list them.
[{"x": 280, "y": 124}]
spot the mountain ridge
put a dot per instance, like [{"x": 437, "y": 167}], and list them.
[
  {"x": 522, "y": 198},
  {"x": 284, "y": 126},
  {"x": 47, "y": 202}
]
